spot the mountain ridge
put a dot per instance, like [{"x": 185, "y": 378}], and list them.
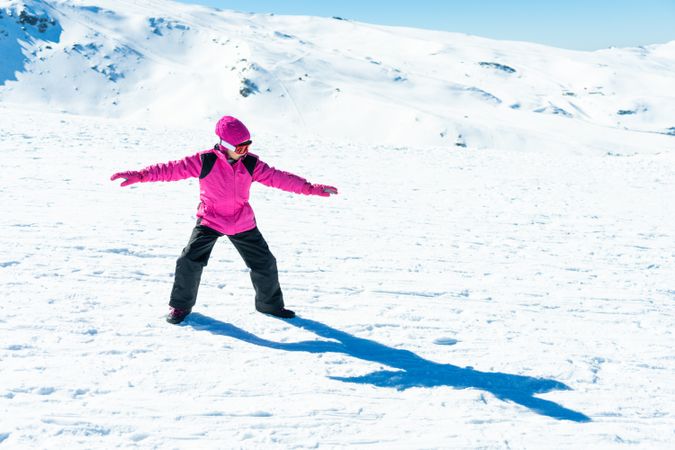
[{"x": 186, "y": 64}]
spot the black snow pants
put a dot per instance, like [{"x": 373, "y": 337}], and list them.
[{"x": 253, "y": 249}]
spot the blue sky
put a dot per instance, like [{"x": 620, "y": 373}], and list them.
[{"x": 574, "y": 24}]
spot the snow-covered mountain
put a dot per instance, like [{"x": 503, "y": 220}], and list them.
[
  {"x": 447, "y": 298},
  {"x": 185, "y": 64}
]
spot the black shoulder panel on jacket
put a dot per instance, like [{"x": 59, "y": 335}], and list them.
[
  {"x": 249, "y": 163},
  {"x": 208, "y": 160}
]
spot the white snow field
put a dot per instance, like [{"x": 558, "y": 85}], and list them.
[
  {"x": 446, "y": 299},
  {"x": 489, "y": 276}
]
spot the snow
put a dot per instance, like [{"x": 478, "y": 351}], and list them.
[
  {"x": 447, "y": 298},
  {"x": 180, "y": 64},
  {"x": 507, "y": 285}
]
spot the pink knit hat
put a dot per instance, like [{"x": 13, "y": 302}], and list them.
[{"x": 232, "y": 131}]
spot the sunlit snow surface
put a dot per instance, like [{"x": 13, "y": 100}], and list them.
[
  {"x": 496, "y": 272},
  {"x": 438, "y": 295},
  {"x": 185, "y": 64}
]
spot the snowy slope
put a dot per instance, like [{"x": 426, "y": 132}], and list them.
[
  {"x": 495, "y": 273},
  {"x": 483, "y": 301},
  {"x": 185, "y": 64}
]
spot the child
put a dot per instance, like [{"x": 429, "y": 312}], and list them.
[{"x": 225, "y": 176}]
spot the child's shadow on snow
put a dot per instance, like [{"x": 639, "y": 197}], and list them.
[{"x": 413, "y": 370}]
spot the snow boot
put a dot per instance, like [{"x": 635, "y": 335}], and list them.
[
  {"x": 282, "y": 313},
  {"x": 177, "y": 315}
]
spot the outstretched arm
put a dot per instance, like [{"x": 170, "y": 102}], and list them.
[
  {"x": 269, "y": 176},
  {"x": 171, "y": 171}
]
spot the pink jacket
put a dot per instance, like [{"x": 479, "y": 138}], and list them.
[{"x": 224, "y": 192}]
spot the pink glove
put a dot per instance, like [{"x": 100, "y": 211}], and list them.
[
  {"x": 322, "y": 190},
  {"x": 130, "y": 177}
]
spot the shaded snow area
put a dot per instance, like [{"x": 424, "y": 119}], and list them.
[{"x": 447, "y": 298}]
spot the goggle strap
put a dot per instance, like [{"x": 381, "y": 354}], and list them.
[
  {"x": 227, "y": 146},
  {"x": 233, "y": 147}
]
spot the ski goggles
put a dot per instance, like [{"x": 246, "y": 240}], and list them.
[{"x": 240, "y": 149}]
